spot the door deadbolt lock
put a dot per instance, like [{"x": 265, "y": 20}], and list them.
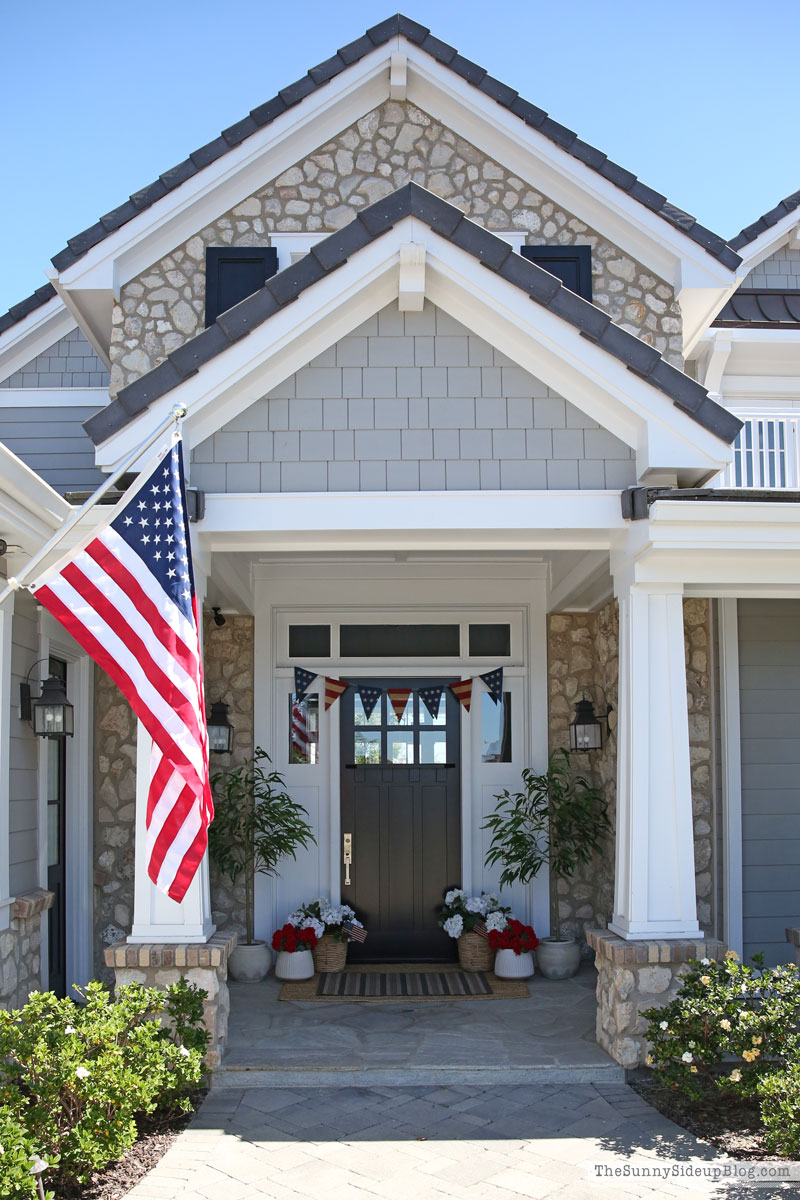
[{"x": 347, "y": 842}]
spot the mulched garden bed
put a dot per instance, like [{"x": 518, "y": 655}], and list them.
[
  {"x": 156, "y": 1135},
  {"x": 728, "y": 1122}
]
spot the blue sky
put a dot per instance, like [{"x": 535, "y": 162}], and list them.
[{"x": 699, "y": 99}]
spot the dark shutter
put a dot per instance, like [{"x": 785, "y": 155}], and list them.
[
  {"x": 235, "y": 272},
  {"x": 572, "y": 265}
]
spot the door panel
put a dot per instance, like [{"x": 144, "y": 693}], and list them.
[{"x": 405, "y": 821}]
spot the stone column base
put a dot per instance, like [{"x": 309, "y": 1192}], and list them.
[
  {"x": 633, "y": 975},
  {"x": 21, "y": 948},
  {"x": 157, "y": 964},
  {"x": 793, "y": 938}
]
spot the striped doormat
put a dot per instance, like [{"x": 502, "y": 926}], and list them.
[{"x": 403, "y": 983}]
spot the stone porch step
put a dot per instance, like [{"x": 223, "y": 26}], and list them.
[{"x": 260, "y": 1076}]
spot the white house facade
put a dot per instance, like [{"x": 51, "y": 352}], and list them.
[{"x": 461, "y": 394}]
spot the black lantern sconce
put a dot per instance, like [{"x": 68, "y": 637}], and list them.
[
  {"x": 51, "y": 714},
  {"x": 219, "y": 618},
  {"x": 220, "y": 730},
  {"x": 585, "y": 731}
]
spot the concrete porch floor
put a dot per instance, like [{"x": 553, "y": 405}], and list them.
[{"x": 548, "y": 1037}]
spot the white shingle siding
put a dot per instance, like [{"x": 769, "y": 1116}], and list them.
[
  {"x": 408, "y": 402},
  {"x": 71, "y": 362},
  {"x": 781, "y": 270}
]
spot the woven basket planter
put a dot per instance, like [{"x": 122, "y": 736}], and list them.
[
  {"x": 474, "y": 952},
  {"x": 329, "y": 955}
]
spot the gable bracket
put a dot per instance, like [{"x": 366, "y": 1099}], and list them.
[
  {"x": 411, "y": 277},
  {"x": 398, "y": 77}
]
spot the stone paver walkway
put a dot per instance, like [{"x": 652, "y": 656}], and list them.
[{"x": 426, "y": 1143}]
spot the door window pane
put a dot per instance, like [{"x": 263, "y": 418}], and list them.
[
  {"x": 309, "y": 641},
  {"x": 433, "y": 746},
  {"x": 360, "y": 717},
  {"x": 496, "y": 728},
  {"x": 53, "y": 835},
  {"x": 400, "y": 748},
  {"x": 398, "y": 641},
  {"x": 303, "y": 730},
  {"x": 489, "y": 641},
  {"x": 367, "y": 750},
  {"x": 425, "y": 717}
]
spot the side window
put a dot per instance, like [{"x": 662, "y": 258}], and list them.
[
  {"x": 572, "y": 265},
  {"x": 235, "y": 272}
]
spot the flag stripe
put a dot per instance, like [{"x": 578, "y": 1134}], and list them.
[
  {"x": 126, "y": 594},
  {"x": 160, "y": 719},
  {"x": 143, "y": 646}
]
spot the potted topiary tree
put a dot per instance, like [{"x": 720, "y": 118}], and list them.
[
  {"x": 256, "y": 824},
  {"x": 560, "y": 819}
]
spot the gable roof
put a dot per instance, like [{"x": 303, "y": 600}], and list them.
[
  {"x": 450, "y": 223},
  {"x": 766, "y": 221},
  {"x": 760, "y": 308},
  {"x": 317, "y": 77}
]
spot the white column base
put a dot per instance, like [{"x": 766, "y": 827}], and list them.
[{"x": 640, "y": 931}]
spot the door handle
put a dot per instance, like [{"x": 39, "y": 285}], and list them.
[{"x": 347, "y": 842}]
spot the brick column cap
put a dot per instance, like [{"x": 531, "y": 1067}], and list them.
[
  {"x": 213, "y": 953},
  {"x": 656, "y": 950},
  {"x": 30, "y": 904}
]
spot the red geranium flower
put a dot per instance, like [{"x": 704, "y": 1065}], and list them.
[
  {"x": 516, "y": 936},
  {"x": 290, "y": 939}
]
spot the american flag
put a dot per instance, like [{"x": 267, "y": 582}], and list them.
[
  {"x": 126, "y": 594},
  {"x": 301, "y": 738},
  {"x": 357, "y": 933}
]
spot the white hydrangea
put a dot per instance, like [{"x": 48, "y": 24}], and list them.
[
  {"x": 313, "y": 923},
  {"x": 475, "y": 904},
  {"x": 296, "y": 918},
  {"x": 495, "y": 922},
  {"x": 454, "y": 894},
  {"x": 492, "y": 901},
  {"x": 454, "y": 926}
]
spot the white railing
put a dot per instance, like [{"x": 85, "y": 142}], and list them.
[{"x": 766, "y": 454}]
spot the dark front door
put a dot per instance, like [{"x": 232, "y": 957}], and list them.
[
  {"x": 401, "y": 804},
  {"x": 56, "y": 864}
]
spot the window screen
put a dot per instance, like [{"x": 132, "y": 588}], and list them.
[
  {"x": 235, "y": 272},
  {"x": 572, "y": 265}
]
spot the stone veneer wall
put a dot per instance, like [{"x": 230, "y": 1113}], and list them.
[
  {"x": 583, "y": 653},
  {"x": 228, "y": 657},
  {"x": 20, "y": 948},
  {"x": 228, "y": 677},
  {"x": 114, "y": 818},
  {"x": 163, "y": 307}
]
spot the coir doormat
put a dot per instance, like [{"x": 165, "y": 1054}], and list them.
[{"x": 401, "y": 982}]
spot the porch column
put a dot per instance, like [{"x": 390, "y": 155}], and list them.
[
  {"x": 655, "y": 885},
  {"x": 6, "y": 702}
]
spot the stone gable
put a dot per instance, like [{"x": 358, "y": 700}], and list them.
[{"x": 388, "y": 147}]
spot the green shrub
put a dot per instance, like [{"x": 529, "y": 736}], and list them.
[
  {"x": 79, "y": 1073},
  {"x": 779, "y": 1093},
  {"x": 747, "y": 1017},
  {"x": 17, "y": 1155}
]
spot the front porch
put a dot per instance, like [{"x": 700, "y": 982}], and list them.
[{"x": 547, "y": 1038}]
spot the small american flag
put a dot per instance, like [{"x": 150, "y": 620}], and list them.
[
  {"x": 356, "y": 932},
  {"x": 126, "y": 594},
  {"x": 480, "y": 928}
]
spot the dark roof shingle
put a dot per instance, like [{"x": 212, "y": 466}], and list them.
[
  {"x": 760, "y": 308},
  {"x": 766, "y": 221}
]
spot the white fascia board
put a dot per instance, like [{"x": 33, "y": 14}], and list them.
[
  {"x": 481, "y": 520},
  {"x": 30, "y": 510},
  {"x": 67, "y": 397},
  {"x": 218, "y": 187},
  {"x": 547, "y": 168},
  {"x": 760, "y": 387},
  {"x": 768, "y": 242},
  {"x": 532, "y": 336},
  {"x": 34, "y": 334}
]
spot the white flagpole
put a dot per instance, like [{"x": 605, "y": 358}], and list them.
[{"x": 177, "y": 412}]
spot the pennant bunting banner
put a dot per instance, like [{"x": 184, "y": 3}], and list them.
[
  {"x": 398, "y": 698},
  {"x": 333, "y": 690},
  {"x": 463, "y": 692},
  {"x": 431, "y": 697},
  {"x": 369, "y": 698},
  {"x": 302, "y": 682},
  {"x": 494, "y": 682}
]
